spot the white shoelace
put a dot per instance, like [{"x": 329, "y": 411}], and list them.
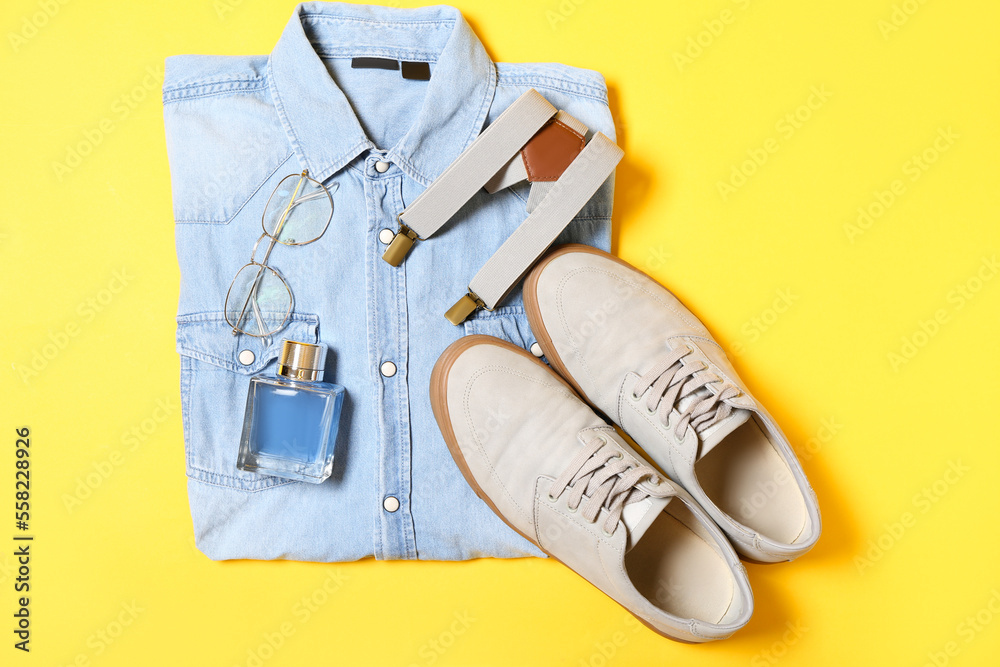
[
  {"x": 671, "y": 380},
  {"x": 600, "y": 471}
]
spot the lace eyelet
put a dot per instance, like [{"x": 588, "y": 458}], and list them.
[
  {"x": 635, "y": 396},
  {"x": 606, "y": 533},
  {"x": 572, "y": 510},
  {"x": 552, "y": 498},
  {"x": 650, "y": 412},
  {"x": 618, "y": 455}
]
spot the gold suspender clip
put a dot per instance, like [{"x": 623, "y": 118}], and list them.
[
  {"x": 400, "y": 245},
  {"x": 464, "y": 307}
]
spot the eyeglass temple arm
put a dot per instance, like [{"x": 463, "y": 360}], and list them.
[
  {"x": 284, "y": 214},
  {"x": 252, "y": 294},
  {"x": 309, "y": 197},
  {"x": 266, "y": 338}
]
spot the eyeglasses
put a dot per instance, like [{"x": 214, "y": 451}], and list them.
[{"x": 298, "y": 212}]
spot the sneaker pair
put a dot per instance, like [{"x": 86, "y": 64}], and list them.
[{"x": 537, "y": 446}]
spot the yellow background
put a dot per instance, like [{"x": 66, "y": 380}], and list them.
[{"x": 895, "y": 575}]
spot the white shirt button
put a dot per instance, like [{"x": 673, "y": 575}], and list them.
[
  {"x": 381, "y": 167},
  {"x": 536, "y": 349},
  {"x": 386, "y": 236},
  {"x": 388, "y": 369},
  {"x": 247, "y": 357},
  {"x": 390, "y": 504}
]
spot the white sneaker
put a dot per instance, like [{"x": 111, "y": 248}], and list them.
[
  {"x": 564, "y": 479},
  {"x": 635, "y": 353}
]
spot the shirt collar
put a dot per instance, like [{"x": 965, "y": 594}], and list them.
[{"x": 321, "y": 124}]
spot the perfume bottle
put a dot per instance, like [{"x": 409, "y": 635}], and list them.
[{"x": 292, "y": 417}]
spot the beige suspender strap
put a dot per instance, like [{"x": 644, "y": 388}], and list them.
[
  {"x": 550, "y": 216},
  {"x": 493, "y": 161},
  {"x": 469, "y": 172}
]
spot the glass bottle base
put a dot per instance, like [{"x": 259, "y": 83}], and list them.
[{"x": 263, "y": 464}]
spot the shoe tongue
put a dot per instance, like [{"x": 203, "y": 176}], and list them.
[
  {"x": 715, "y": 434},
  {"x": 638, "y": 517}
]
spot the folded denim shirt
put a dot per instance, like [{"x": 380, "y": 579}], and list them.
[{"x": 235, "y": 126}]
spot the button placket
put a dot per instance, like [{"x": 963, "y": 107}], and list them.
[{"x": 388, "y": 336}]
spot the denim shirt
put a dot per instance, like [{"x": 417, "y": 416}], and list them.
[{"x": 235, "y": 125}]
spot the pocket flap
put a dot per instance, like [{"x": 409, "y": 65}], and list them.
[
  {"x": 209, "y": 338},
  {"x": 506, "y": 322}
]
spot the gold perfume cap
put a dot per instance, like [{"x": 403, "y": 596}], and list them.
[{"x": 301, "y": 361}]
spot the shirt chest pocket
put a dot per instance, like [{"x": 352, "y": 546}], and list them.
[{"x": 216, "y": 367}]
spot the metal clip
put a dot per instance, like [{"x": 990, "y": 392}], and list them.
[
  {"x": 464, "y": 307},
  {"x": 400, "y": 245}
]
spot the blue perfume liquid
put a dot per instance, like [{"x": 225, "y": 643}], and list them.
[{"x": 290, "y": 427}]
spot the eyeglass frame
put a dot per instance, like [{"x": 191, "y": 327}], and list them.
[{"x": 262, "y": 265}]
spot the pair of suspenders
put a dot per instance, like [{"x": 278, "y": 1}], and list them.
[{"x": 531, "y": 140}]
